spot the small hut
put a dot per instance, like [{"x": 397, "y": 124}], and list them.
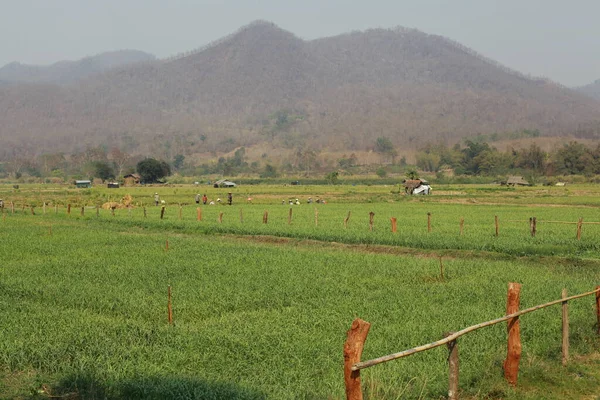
[
  {"x": 132, "y": 179},
  {"x": 411, "y": 184},
  {"x": 517, "y": 181},
  {"x": 82, "y": 184}
]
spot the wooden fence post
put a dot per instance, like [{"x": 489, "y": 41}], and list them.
[
  {"x": 82, "y": 211},
  {"x": 32, "y": 212},
  {"x": 56, "y": 209},
  {"x": 290, "y": 217},
  {"x": 532, "y": 226},
  {"x": 579, "y": 226},
  {"x": 316, "y": 217},
  {"x": 462, "y": 223},
  {"x": 428, "y": 222},
  {"x": 371, "y": 217},
  {"x": 69, "y": 209},
  {"x": 167, "y": 245},
  {"x": 180, "y": 208},
  {"x": 452, "y": 368},
  {"x": 355, "y": 342},
  {"x": 169, "y": 308},
  {"x": 112, "y": 210},
  {"x": 598, "y": 310},
  {"x": 565, "y": 329},
  {"x": 145, "y": 215},
  {"x": 44, "y": 207},
  {"x": 220, "y": 217},
  {"x": 496, "y": 223},
  {"x": 162, "y": 212},
  {"x": 97, "y": 211},
  {"x": 513, "y": 356},
  {"x": 394, "y": 222},
  {"x": 265, "y": 217},
  {"x": 12, "y": 207},
  {"x": 347, "y": 219}
]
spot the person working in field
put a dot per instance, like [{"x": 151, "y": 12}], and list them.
[
  {"x": 156, "y": 199},
  {"x": 197, "y": 198},
  {"x": 204, "y": 199}
]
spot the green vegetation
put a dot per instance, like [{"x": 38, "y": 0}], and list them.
[{"x": 261, "y": 310}]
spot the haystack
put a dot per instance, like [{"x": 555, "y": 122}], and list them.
[{"x": 125, "y": 203}]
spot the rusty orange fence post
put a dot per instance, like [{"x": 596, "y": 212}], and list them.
[
  {"x": 394, "y": 224},
  {"x": 220, "y": 217},
  {"x": 496, "y": 223},
  {"x": 355, "y": 342},
  {"x": 513, "y": 355}
]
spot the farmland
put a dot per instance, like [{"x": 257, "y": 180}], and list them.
[{"x": 261, "y": 309}]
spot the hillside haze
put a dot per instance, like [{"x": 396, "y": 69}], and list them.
[
  {"x": 63, "y": 72},
  {"x": 263, "y": 86},
  {"x": 592, "y": 89}
]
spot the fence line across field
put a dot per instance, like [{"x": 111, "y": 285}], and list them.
[
  {"x": 456, "y": 335},
  {"x": 358, "y": 332}
]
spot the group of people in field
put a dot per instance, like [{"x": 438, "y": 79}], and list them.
[
  {"x": 296, "y": 202},
  {"x": 197, "y": 199}
]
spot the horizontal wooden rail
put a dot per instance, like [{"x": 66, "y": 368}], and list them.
[
  {"x": 550, "y": 222},
  {"x": 454, "y": 336}
]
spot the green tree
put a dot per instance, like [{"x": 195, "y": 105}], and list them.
[
  {"x": 152, "y": 170},
  {"x": 178, "y": 161},
  {"x": 103, "y": 170},
  {"x": 384, "y": 146},
  {"x": 332, "y": 177},
  {"x": 381, "y": 172},
  {"x": 269, "y": 172},
  {"x": 412, "y": 173}
]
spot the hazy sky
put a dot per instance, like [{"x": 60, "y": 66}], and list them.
[{"x": 559, "y": 39}]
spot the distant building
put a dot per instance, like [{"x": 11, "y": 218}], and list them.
[
  {"x": 132, "y": 179},
  {"x": 416, "y": 186},
  {"x": 517, "y": 181},
  {"x": 224, "y": 183},
  {"x": 83, "y": 184}
]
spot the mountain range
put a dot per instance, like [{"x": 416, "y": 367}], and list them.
[
  {"x": 264, "y": 87},
  {"x": 64, "y": 72}
]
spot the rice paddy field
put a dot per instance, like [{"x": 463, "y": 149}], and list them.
[{"x": 260, "y": 310}]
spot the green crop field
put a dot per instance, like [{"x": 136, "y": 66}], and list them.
[{"x": 261, "y": 310}]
